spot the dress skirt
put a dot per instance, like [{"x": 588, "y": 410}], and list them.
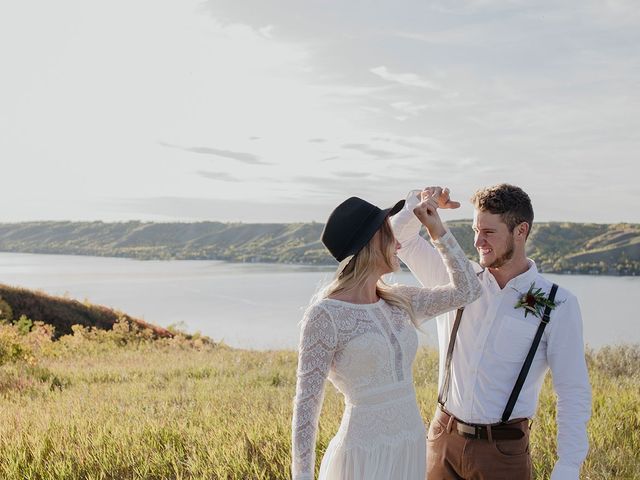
[{"x": 378, "y": 442}]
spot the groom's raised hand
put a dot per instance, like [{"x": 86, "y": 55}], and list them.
[{"x": 441, "y": 194}]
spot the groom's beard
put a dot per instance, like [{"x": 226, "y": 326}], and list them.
[{"x": 505, "y": 257}]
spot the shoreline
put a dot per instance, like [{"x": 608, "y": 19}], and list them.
[{"x": 320, "y": 267}]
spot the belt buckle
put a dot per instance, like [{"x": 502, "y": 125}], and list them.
[{"x": 469, "y": 431}]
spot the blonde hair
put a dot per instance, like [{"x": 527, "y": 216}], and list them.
[{"x": 361, "y": 266}]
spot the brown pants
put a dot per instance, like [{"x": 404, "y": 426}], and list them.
[{"x": 451, "y": 456}]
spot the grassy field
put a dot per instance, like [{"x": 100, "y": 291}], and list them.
[{"x": 118, "y": 405}]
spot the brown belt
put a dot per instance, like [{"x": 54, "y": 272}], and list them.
[{"x": 514, "y": 430}]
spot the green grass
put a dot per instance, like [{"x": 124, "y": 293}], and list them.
[{"x": 114, "y": 406}]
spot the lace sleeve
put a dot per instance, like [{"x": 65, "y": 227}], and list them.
[
  {"x": 462, "y": 289},
  {"x": 318, "y": 341}
]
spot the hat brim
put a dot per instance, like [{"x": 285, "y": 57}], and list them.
[
  {"x": 395, "y": 209},
  {"x": 372, "y": 227}
]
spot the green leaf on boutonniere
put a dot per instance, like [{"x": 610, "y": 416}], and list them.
[{"x": 534, "y": 301}]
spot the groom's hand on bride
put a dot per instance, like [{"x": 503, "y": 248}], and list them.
[{"x": 442, "y": 196}]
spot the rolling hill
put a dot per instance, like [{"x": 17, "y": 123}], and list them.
[
  {"x": 63, "y": 313},
  {"x": 561, "y": 247}
]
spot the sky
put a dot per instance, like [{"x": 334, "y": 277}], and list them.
[{"x": 276, "y": 111}]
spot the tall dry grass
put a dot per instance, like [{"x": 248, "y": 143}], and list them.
[{"x": 120, "y": 405}]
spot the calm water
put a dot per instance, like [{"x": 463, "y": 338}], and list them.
[{"x": 259, "y": 306}]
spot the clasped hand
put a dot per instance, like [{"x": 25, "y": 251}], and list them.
[{"x": 432, "y": 198}]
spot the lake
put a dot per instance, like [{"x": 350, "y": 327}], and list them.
[{"x": 259, "y": 305}]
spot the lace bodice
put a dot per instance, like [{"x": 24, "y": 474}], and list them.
[{"x": 366, "y": 351}]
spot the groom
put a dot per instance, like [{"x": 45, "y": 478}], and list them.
[{"x": 480, "y": 429}]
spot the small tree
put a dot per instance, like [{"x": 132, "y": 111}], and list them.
[{"x": 23, "y": 324}]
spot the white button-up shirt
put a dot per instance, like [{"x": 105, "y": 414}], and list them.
[{"x": 492, "y": 342}]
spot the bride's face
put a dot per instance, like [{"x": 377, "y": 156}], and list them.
[{"x": 386, "y": 247}]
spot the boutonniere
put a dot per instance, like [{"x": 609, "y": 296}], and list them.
[{"x": 535, "y": 301}]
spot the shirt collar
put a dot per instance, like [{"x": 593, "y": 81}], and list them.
[{"x": 521, "y": 283}]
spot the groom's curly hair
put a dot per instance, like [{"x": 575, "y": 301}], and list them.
[{"x": 510, "y": 202}]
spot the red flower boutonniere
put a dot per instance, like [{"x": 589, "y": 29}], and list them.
[{"x": 535, "y": 301}]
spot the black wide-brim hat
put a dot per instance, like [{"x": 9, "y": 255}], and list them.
[{"x": 352, "y": 224}]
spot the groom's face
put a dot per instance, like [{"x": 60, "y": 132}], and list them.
[{"x": 492, "y": 239}]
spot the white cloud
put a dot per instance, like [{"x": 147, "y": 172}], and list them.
[
  {"x": 220, "y": 176},
  {"x": 409, "y": 108},
  {"x": 408, "y": 79}
]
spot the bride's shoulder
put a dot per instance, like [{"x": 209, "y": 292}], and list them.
[
  {"x": 319, "y": 308},
  {"x": 317, "y": 321}
]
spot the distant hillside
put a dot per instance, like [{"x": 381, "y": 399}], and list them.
[
  {"x": 63, "y": 313},
  {"x": 561, "y": 247},
  {"x": 587, "y": 248}
]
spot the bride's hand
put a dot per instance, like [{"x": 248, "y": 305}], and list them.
[{"x": 427, "y": 213}]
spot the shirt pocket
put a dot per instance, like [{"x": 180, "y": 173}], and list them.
[{"x": 514, "y": 338}]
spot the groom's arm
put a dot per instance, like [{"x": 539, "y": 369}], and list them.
[
  {"x": 422, "y": 259},
  {"x": 565, "y": 354}
]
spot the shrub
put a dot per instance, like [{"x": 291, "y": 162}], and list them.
[
  {"x": 13, "y": 347},
  {"x": 6, "y": 312},
  {"x": 23, "y": 324}
]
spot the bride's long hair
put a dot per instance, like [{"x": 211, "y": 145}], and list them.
[{"x": 362, "y": 265}]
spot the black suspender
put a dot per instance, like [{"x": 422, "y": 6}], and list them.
[
  {"x": 444, "y": 389},
  {"x": 529, "y": 360}
]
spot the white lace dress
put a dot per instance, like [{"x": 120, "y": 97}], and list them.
[{"x": 367, "y": 352}]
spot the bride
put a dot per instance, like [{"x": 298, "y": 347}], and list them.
[{"x": 361, "y": 335}]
